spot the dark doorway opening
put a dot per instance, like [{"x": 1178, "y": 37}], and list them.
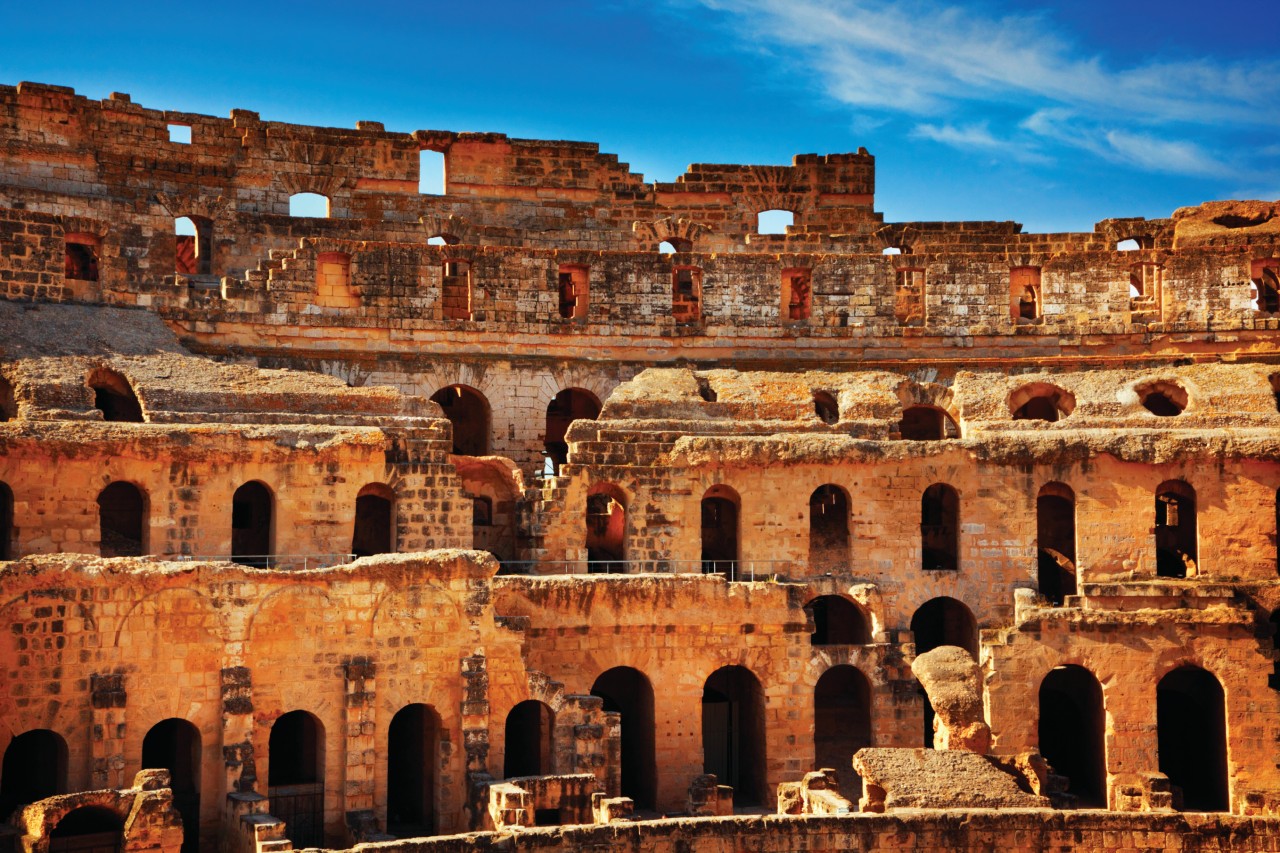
[
  {"x": 940, "y": 528},
  {"x": 1175, "y": 530},
  {"x": 628, "y": 692},
  {"x": 1191, "y": 726},
  {"x": 944, "y": 622},
  {"x": 251, "y": 523},
  {"x": 606, "y": 529},
  {"x": 468, "y": 411},
  {"x": 720, "y": 532},
  {"x": 91, "y": 829},
  {"x": 295, "y": 780},
  {"x": 1072, "y": 732},
  {"x": 114, "y": 397},
  {"x": 1056, "y": 541},
  {"x": 373, "y": 528},
  {"x": 927, "y": 423},
  {"x": 841, "y": 722},
  {"x": 174, "y": 745},
  {"x": 571, "y": 404},
  {"x": 412, "y": 756},
  {"x": 122, "y": 520},
  {"x": 6, "y": 528},
  {"x": 35, "y": 767},
  {"x": 529, "y": 740},
  {"x": 828, "y": 530},
  {"x": 733, "y": 733},
  {"x": 837, "y": 622}
]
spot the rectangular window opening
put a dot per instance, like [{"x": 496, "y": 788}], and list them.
[
  {"x": 908, "y": 300},
  {"x": 686, "y": 296},
  {"x": 180, "y": 133},
  {"x": 574, "y": 287}
]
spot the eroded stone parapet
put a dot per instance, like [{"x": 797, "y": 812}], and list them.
[
  {"x": 818, "y": 793},
  {"x": 937, "y": 779},
  {"x": 708, "y": 798},
  {"x": 143, "y": 815},
  {"x": 952, "y": 679}
]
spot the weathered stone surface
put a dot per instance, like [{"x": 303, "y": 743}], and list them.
[
  {"x": 937, "y": 779},
  {"x": 953, "y": 682}
]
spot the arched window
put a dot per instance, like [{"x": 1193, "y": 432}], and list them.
[
  {"x": 837, "y": 621},
  {"x": 826, "y": 407},
  {"x": 122, "y": 520},
  {"x": 35, "y": 767},
  {"x": 1040, "y": 401},
  {"x": 720, "y": 507},
  {"x": 374, "y": 525},
  {"x": 530, "y": 740},
  {"x": 841, "y": 719},
  {"x": 114, "y": 397},
  {"x": 6, "y": 531},
  {"x": 927, "y": 423},
  {"x": 1025, "y": 305},
  {"x": 89, "y": 828},
  {"x": 468, "y": 411},
  {"x": 252, "y": 524},
  {"x": 1191, "y": 730},
  {"x": 733, "y": 733},
  {"x": 295, "y": 778},
  {"x": 1175, "y": 530},
  {"x": 774, "y": 221},
  {"x": 309, "y": 205},
  {"x": 1072, "y": 732},
  {"x": 431, "y": 172},
  {"x": 455, "y": 290},
  {"x": 1056, "y": 542},
  {"x": 1127, "y": 245},
  {"x": 944, "y": 622},
  {"x": 1163, "y": 399},
  {"x": 627, "y": 691},
  {"x": 828, "y": 530},
  {"x": 606, "y": 529},
  {"x": 174, "y": 745},
  {"x": 193, "y": 245},
  {"x": 940, "y": 528},
  {"x": 413, "y": 757},
  {"x": 571, "y": 404}
]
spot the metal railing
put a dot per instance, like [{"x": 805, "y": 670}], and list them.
[
  {"x": 745, "y": 571},
  {"x": 284, "y": 562},
  {"x": 301, "y": 807}
]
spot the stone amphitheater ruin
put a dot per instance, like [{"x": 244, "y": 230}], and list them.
[{"x": 565, "y": 511}]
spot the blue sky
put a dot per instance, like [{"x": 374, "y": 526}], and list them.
[{"x": 1055, "y": 114}]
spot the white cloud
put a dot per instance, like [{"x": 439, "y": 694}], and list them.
[{"x": 978, "y": 136}]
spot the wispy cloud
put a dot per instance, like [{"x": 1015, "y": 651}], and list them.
[{"x": 925, "y": 59}]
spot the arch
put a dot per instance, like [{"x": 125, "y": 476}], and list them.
[
  {"x": 944, "y": 621},
  {"x": 940, "y": 528},
  {"x": 1176, "y": 538},
  {"x": 720, "y": 509},
  {"x": 775, "y": 221},
  {"x": 828, "y": 529},
  {"x": 841, "y": 719},
  {"x": 113, "y": 396},
  {"x": 1191, "y": 729},
  {"x": 34, "y": 767},
  {"x": 837, "y": 621},
  {"x": 88, "y": 829},
  {"x": 193, "y": 245},
  {"x": 1128, "y": 244},
  {"x": 1041, "y": 401},
  {"x": 927, "y": 423},
  {"x": 628, "y": 692},
  {"x": 606, "y": 528},
  {"x": 6, "y": 529},
  {"x": 530, "y": 740},
  {"x": 1163, "y": 399},
  {"x": 122, "y": 520},
  {"x": 374, "y": 531},
  {"x": 413, "y": 749},
  {"x": 432, "y": 172},
  {"x": 174, "y": 745},
  {"x": 309, "y": 206},
  {"x": 295, "y": 776},
  {"x": 252, "y": 524},
  {"x": 1073, "y": 732},
  {"x": 1056, "y": 542},
  {"x": 733, "y": 733},
  {"x": 468, "y": 411},
  {"x": 567, "y": 406},
  {"x": 826, "y": 407}
]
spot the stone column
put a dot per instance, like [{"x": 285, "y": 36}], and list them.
[
  {"x": 359, "y": 673},
  {"x": 107, "y": 701}
]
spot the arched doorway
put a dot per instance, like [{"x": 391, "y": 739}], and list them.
[
  {"x": 295, "y": 778},
  {"x": 529, "y": 740},
  {"x": 720, "y": 507},
  {"x": 1191, "y": 727},
  {"x": 841, "y": 719},
  {"x": 122, "y": 520},
  {"x": 944, "y": 622},
  {"x": 251, "y": 524},
  {"x": 927, "y": 423},
  {"x": 837, "y": 621},
  {"x": 628, "y": 692},
  {"x": 1072, "y": 732},
  {"x": 1056, "y": 542},
  {"x": 374, "y": 530},
  {"x": 34, "y": 767},
  {"x": 606, "y": 528},
  {"x": 114, "y": 396},
  {"x": 940, "y": 528},
  {"x": 569, "y": 405},
  {"x": 468, "y": 411},
  {"x": 1176, "y": 551},
  {"x": 733, "y": 733},
  {"x": 828, "y": 530},
  {"x": 174, "y": 745},
  {"x": 91, "y": 829},
  {"x": 413, "y": 748}
]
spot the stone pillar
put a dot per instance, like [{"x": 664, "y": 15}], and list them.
[
  {"x": 237, "y": 730},
  {"x": 358, "y": 774},
  {"x": 475, "y": 735},
  {"x": 107, "y": 701}
]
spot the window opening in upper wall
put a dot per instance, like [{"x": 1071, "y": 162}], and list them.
[
  {"x": 774, "y": 221},
  {"x": 1024, "y": 295},
  {"x": 81, "y": 259},
  {"x": 826, "y": 407},
  {"x": 665, "y": 248},
  {"x": 686, "y": 296},
  {"x": 797, "y": 294},
  {"x": 1145, "y": 280},
  {"x": 193, "y": 247},
  {"x": 114, "y": 396},
  {"x": 1265, "y": 278},
  {"x": 437, "y": 240},
  {"x": 909, "y": 297},
  {"x": 431, "y": 172},
  {"x": 1163, "y": 399},
  {"x": 574, "y": 285},
  {"x": 891, "y": 250},
  {"x": 309, "y": 205},
  {"x": 1130, "y": 245},
  {"x": 180, "y": 133},
  {"x": 455, "y": 291}
]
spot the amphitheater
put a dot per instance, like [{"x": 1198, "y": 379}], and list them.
[{"x": 564, "y": 511}]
